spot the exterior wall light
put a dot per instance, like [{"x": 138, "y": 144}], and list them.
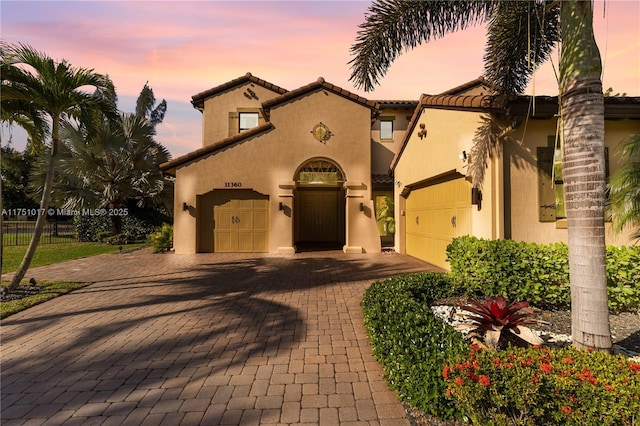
[
  {"x": 280, "y": 206},
  {"x": 185, "y": 207},
  {"x": 361, "y": 207},
  {"x": 423, "y": 131},
  {"x": 476, "y": 197}
]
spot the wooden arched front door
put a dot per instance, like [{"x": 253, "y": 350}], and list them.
[{"x": 319, "y": 206}]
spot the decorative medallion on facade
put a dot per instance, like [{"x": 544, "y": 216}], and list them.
[{"x": 321, "y": 132}]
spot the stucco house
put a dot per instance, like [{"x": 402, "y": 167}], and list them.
[
  {"x": 517, "y": 200},
  {"x": 282, "y": 171}
]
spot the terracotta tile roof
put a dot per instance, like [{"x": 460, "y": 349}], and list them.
[
  {"x": 546, "y": 107},
  {"x": 397, "y": 104},
  {"x": 317, "y": 85},
  {"x": 198, "y": 99},
  {"x": 480, "y": 81},
  {"x": 170, "y": 166},
  {"x": 484, "y": 103},
  {"x": 385, "y": 179}
]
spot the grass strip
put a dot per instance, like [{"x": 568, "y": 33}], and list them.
[
  {"x": 47, "y": 254},
  {"x": 50, "y": 290}
]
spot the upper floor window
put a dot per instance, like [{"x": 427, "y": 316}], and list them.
[
  {"x": 248, "y": 120},
  {"x": 386, "y": 129}
]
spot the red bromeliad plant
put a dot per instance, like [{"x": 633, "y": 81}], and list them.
[{"x": 491, "y": 318}]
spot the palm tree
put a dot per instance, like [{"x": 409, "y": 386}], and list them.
[
  {"x": 118, "y": 163},
  {"x": 21, "y": 113},
  {"x": 625, "y": 188},
  {"x": 521, "y": 34},
  {"x": 36, "y": 85}
]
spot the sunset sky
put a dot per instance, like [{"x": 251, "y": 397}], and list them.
[{"x": 182, "y": 48}]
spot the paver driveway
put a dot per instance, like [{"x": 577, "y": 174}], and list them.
[{"x": 201, "y": 340}]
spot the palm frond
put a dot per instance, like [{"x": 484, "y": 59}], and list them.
[
  {"x": 625, "y": 188},
  {"x": 485, "y": 141},
  {"x": 394, "y": 26},
  {"x": 117, "y": 161},
  {"x": 521, "y": 35}
]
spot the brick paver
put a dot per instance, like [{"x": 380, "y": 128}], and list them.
[{"x": 201, "y": 339}]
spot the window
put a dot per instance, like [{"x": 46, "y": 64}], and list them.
[
  {"x": 551, "y": 206},
  {"x": 248, "y": 120},
  {"x": 386, "y": 129}
]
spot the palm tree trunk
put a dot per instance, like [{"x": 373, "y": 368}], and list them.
[
  {"x": 42, "y": 216},
  {"x": 582, "y": 112}
]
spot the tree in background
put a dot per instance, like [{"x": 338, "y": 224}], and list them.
[
  {"x": 521, "y": 35},
  {"x": 146, "y": 106},
  {"x": 118, "y": 163},
  {"x": 14, "y": 170},
  {"x": 625, "y": 188},
  {"x": 115, "y": 166},
  {"x": 34, "y": 85}
]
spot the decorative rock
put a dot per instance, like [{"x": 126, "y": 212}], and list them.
[{"x": 454, "y": 316}]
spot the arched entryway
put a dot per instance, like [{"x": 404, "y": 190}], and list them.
[{"x": 319, "y": 218}]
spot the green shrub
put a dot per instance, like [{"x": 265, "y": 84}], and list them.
[
  {"x": 162, "y": 240},
  {"x": 623, "y": 277},
  {"x": 90, "y": 227},
  {"x": 136, "y": 228},
  {"x": 409, "y": 341},
  {"x": 538, "y": 273},
  {"x": 120, "y": 239},
  {"x": 102, "y": 235},
  {"x": 544, "y": 387}
]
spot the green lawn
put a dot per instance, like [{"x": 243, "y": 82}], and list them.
[
  {"x": 47, "y": 254},
  {"x": 51, "y": 290}
]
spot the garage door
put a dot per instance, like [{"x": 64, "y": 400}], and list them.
[
  {"x": 241, "y": 224},
  {"x": 434, "y": 216}
]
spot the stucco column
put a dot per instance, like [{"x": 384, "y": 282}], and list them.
[
  {"x": 354, "y": 197},
  {"x": 285, "y": 212}
]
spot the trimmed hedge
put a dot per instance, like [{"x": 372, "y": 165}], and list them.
[
  {"x": 538, "y": 273},
  {"x": 410, "y": 342}
]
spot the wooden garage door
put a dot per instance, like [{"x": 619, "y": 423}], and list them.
[
  {"x": 242, "y": 224},
  {"x": 434, "y": 216}
]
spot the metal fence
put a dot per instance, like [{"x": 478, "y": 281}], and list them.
[{"x": 18, "y": 233}]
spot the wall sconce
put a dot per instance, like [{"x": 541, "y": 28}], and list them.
[
  {"x": 361, "y": 207},
  {"x": 185, "y": 207},
  {"x": 280, "y": 206},
  {"x": 423, "y": 131},
  {"x": 476, "y": 197}
]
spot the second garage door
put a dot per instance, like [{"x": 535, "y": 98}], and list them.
[{"x": 434, "y": 216}]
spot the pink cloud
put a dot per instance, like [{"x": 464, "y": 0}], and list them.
[{"x": 183, "y": 48}]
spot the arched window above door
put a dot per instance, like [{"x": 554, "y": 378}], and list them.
[{"x": 319, "y": 171}]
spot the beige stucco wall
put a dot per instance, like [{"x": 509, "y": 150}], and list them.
[
  {"x": 448, "y": 134},
  {"x": 520, "y": 155},
  {"x": 215, "y": 116},
  {"x": 510, "y": 190},
  {"x": 382, "y": 152},
  {"x": 267, "y": 164}
]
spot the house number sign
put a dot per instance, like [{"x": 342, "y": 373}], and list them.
[{"x": 233, "y": 184}]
